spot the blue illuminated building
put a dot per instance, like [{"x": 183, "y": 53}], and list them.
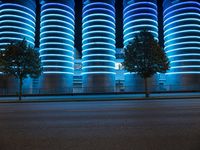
[
  {"x": 138, "y": 14},
  {"x": 57, "y": 45},
  {"x": 17, "y": 21},
  {"x": 98, "y": 49},
  {"x": 97, "y": 67},
  {"x": 182, "y": 42}
]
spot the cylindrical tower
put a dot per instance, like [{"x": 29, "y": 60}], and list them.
[
  {"x": 98, "y": 58},
  {"x": 182, "y": 43},
  {"x": 17, "y": 21},
  {"x": 57, "y": 45},
  {"x": 138, "y": 14}
]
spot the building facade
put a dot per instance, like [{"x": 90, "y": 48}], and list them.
[
  {"x": 98, "y": 50},
  {"x": 98, "y": 67},
  {"x": 182, "y": 43},
  {"x": 57, "y": 45},
  {"x": 17, "y": 21},
  {"x": 139, "y": 14}
]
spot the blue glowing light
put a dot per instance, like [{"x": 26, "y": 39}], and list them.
[
  {"x": 182, "y": 72},
  {"x": 16, "y": 11},
  {"x": 14, "y": 27},
  {"x": 138, "y": 15},
  {"x": 57, "y": 38},
  {"x": 16, "y": 23},
  {"x": 96, "y": 72},
  {"x": 182, "y": 37},
  {"x": 98, "y": 44},
  {"x": 182, "y": 49}
]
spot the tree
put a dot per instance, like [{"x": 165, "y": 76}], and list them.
[
  {"x": 21, "y": 61},
  {"x": 145, "y": 57}
]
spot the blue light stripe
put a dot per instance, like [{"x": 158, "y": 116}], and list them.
[
  {"x": 15, "y": 27},
  {"x": 140, "y": 14},
  {"x": 182, "y": 72},
  {"x": 189, "y": 66},
  {"x": 15, "y": 38},
  {"x": 184, "y": 31},
  {"x": 54, "y": 48},
  {"x": 180, "y": 43},
  {"x": 100, "y": 43},
  {"x": 179, "y": 38},
  {"x": 57, "y": 9},
  {"x": 98, "y": 49},
  {"x": 180, "y": 9},
  {"x": 180, "y": 26},
  {"x": 98, "y": 37},
  {"x": 60, "y": 55},
  {"x": 59, "y": 4},
  {"x": 142, "y": 26},
  {"x": 89, "y": 55},
  {"x": 98, "y": 31},
  {"x": 130, "y": 39},
  {"x": 181, "y": 3},
  {"x": 13, "y": 21},
  {"x": 16, "y": 10},
  {"x": 141, "y": 8},
  {"x": 102, "y": 9},
  {"x": 89, "y": 67},
  {"x": 140, "y": 20},
  {"x": 98, "y": 20},
  {"x": 57, "y": 72},
  {"x": 56, "y": 26},
  {"x": 17, "y": 16},
  {"x": 56, "y": 43},
  {"x": 181, "y": 20},
  {"x": 97, "y": 26},
  {"x": 183, "y": 48},
  {"x": 182, "y": 55},
  {"x": 57, "y": 32},
  {"x": 186, "y": 60},
  {"x": 97, "y": 72},
  {"x": 57, "y": 21},
  {"x": 18, "y": 33},
  {"x": 99, "y": 3},
  {"x": 99, "y": 14},
  {"x": 182, "y": 14},
  {"x": 49, "y": 66},
  {"x": 56, "y": 37},
  {"x": 57, "y": 15},
  {"x": 138, "y": 3},
  {"x": 10, "y": 4},
  {"x": 64, "y": 61}
]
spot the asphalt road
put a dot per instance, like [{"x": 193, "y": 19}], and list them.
[{"x": 107, "y": 125}]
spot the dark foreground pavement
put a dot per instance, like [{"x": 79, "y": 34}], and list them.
[{"x": 108, "y": 125}]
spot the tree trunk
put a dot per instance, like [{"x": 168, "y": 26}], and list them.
[
  {"x": 20, "y": 88},
  {"x": 146, "y": 87}
]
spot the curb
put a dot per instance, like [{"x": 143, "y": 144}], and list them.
[{"x": 100, "y": 99}]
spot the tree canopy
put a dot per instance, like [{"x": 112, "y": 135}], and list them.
[
  {"x": 20, "y": 60},
  {"x": 144, "y": 56}
]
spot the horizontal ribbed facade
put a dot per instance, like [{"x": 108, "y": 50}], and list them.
[
  {"x": 98, "y": 59},
  {"x": 137, "y": 16},
  {"x": 182, "y": 36},
  {"x": 182, "y": 43},
  {"x": 17, "y": 21},
  {"x": 57, "y": 44}
]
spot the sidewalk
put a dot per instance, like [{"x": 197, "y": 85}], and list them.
[{"x": 98, "y": 97}]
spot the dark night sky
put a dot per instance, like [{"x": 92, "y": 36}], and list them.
[{"x": 119, "y": 23}]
